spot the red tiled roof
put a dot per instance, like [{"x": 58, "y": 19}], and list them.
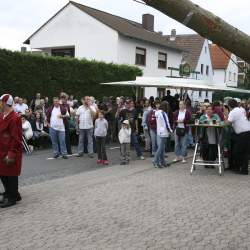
[{"x": 220, "y": 57}]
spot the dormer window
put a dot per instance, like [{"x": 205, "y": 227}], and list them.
[
  {"x": 207, "y": 70},
  {"x": 202, "y": 69}
]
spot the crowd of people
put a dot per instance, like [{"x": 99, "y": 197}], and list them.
[{"x": 151, "y": 125}]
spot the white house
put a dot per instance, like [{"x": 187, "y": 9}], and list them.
[
  {"x": 243, "y": 67},
  {"x": 83, "y": 32},
  {"x": 197, "y": 55},
  {"x": 225, "y": 66}
]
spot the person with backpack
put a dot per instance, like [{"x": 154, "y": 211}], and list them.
[
  {"x": 151, "y": 121},
  {"x": 182, "y": 118},
  {"x": 163, "y": 132}
]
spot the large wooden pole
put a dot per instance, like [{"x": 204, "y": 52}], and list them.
[{"x": 206, "y": 24}]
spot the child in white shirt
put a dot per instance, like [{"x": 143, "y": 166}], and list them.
[
  {"x": 125, "y": 139},
  {"x": 100, "y": 133}
]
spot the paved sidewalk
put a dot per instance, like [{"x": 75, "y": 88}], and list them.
[{"x": 135, "y": 207}]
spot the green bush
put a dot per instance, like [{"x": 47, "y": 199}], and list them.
[{"x": 24, "y": 74}]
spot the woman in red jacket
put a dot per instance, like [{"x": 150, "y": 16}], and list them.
[{"x": 10, "y": 151}]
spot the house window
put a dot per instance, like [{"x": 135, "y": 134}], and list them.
[
  {"x": 205, "y": 50},
  {"x": 206, "y": 94},
  {"x": 241, "y": 67},
  {"x": 66, "y": 52},
  {"x": 207, "y": 70},
  {"x": 234, "y": 77},
  {"x": 241, "y": 79},
  {"x": 230, "y": 75},
  {"x": 140, "y": 58},
  {"x": 162, "y": 60},
  {"x": 202, "y": 69},
  {"x": 200, "y": 93}
]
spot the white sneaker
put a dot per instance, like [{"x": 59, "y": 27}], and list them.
[
  {"x": 142, "y": 157},
  {"x": 175, "y": 160},
  {"x": 184, "y": 161}
]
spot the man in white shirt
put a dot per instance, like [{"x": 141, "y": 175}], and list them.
[
  {"x": 85, "y": 115},
  {"x": 20, "y": 107},
  {"x": 241, "y": 125},
  {"x": 55, "y": 116}
]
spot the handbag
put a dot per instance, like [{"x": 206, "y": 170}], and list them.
[{"x": 180, "y": 132}]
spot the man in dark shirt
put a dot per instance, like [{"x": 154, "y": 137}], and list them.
[
  {"x": 107, "y": 108},
  {"x": 130, "y": 113},
  {"x": 170, "y": 99}
]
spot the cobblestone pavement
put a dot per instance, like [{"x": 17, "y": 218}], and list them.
[{"x": 134, "y": 207}]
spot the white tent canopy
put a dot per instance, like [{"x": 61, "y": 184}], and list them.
[{"x": 177, "y": 83}]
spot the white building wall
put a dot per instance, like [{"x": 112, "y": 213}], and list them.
[
  {"x": 220, "y": 77},
  {"x": 227, "y": 77},
  {"x": 233, "y": 69},
  {"x": 74, "y": 28},
  {"x": 205, "y": 59},
  {"x": 127, "y": 55}
]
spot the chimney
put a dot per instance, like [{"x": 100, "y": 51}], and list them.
[
  {"x": 173, "y": 35},
  {"x": 148, "y": 22}
]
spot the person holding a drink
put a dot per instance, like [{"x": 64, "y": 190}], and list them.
[
  {"x": 56, "y": 118},
  {"x": 208, "y": 134},
  {"x": 182, "y": 118}
]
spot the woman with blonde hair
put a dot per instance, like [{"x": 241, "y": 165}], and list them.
[{"x": 182, "y": 118}]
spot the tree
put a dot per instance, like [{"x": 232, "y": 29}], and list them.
[{"x": 206, "y": 24}]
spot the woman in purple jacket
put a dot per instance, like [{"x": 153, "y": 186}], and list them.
[{"x": 182, "y": 118}]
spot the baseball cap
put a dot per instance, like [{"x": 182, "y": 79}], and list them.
[{"x": 7, "y": 98}]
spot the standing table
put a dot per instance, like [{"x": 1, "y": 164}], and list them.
[{"x": 219, "y": 142}]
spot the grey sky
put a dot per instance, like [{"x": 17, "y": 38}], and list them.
[{"x": 19, "y": 19}]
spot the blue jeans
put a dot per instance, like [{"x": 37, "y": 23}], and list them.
[
  {"x": 135, "y": 143},
  {"x": 160, "y": 153},
  {"x": 190, "y": 139},
  {"x": 146, "y": 133},
  {"x": 153, "y": 136},
  {"x": 58, "y": 139},
  {"x": 89, "y": 135},
  {"x": 181, "y": 145}
]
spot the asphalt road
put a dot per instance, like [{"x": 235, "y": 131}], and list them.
[{"x": 40, "y": 166}]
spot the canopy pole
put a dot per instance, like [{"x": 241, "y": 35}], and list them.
[
  {"x": 136, "y": 93},
  {"x": 181, "y": 93}
]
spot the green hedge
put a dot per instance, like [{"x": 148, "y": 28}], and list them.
[{"x": 24, "y": 74}]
